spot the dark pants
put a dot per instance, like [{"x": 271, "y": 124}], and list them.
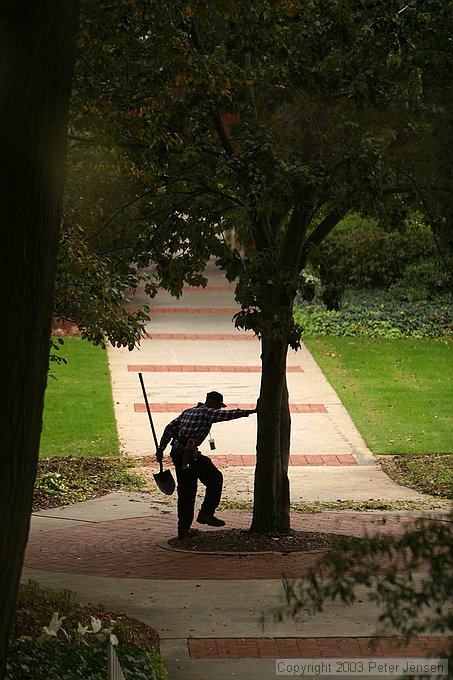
[{"x": 202, "y": 469}]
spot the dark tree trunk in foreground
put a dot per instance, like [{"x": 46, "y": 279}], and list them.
[{"x": 37, "y": 44}]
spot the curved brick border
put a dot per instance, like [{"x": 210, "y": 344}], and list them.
[{"x": 129, "y": 548}]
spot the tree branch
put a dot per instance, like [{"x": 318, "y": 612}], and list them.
[
  {"x": 295, "y": 236},
  {"x": 263, "y": 232},
  {"x": 223, "y": 135},
  {"x": 216, "y": 117},
  {"x": 118, "y": 212},
  {"x": 430, "y": 216},
  {"x": 82, "y": 141},
  {"x": 319, "y": 234}
]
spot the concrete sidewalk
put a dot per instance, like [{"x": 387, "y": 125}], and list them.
[
  {"x": 207, "y": 608},
  {"x": 193, "y": 347}
]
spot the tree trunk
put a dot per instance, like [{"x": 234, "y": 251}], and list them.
[
  {"x": 37, "y": 55},
  {"x": 271, "y": 492}
]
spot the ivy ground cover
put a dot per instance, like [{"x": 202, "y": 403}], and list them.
[{"x": 373, "y": 314}]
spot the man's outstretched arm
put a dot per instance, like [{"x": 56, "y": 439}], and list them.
[{"x": 218, "y": 416}]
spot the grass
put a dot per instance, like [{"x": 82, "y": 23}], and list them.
[
  {"x": 78, "y": 416},
  {"x": 398, "y": 392}
]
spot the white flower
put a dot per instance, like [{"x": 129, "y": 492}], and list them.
[{"x": 54, "y": 625}]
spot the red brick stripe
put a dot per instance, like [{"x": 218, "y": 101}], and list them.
[
  {"x": 194, "y": 310},
  {"x": 183, "y": 368},
  {"x": 199, "y": 336},
  {"x": 200, "y": 289},
  {"x": 184, "y": 310},
  {"x": 176, "y": 408},
  {"x": 295, "y": 460},
  {"x": 327, "y": 460},
  {"x": 322, "y": 647}
]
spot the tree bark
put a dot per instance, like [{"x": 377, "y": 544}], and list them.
[
  {"x": 37, "y": 45},
  {"x": 271, "y": 489}
]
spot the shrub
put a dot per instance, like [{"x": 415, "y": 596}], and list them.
[
  {"x": 360, "y": 254},
  {"x": 420, "y": 280}
]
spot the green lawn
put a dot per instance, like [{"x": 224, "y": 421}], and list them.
[
  {"x": 78, "y": 412},
  {"x": 398, "y": 392}
]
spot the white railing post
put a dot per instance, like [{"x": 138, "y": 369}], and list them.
[{"x": 114, "y": 670}]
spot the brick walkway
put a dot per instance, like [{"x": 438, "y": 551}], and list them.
[
  {"x": 136, "y": 548},
  {"x": 226, "y": 287},
  {"x": 188, "y": 349},
  {"x": 317, "y": 648},
  {"x": 177, "y": 408},
  {"x": 199, "y": 368},
  {"x": 241, "y": 337},
  {"x": 295, "y": 460},
  {"x": 230, "y": 311}
]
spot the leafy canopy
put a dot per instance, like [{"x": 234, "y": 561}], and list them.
[{"x": 272, "y": 117}]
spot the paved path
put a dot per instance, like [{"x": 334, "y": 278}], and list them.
[
  {"x": 192, "y": 347},
  {"x": 207, "y": 608},
  {"x": 180, "y": 367},
  {"x": 137, "y": 548}
]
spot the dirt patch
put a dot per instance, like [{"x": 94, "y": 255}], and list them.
[
  {"x": 429, "y": 473},
  {"x": 244, "y": 541},
  {"x": 67, "y": 480}
]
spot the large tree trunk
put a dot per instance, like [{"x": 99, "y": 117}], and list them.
[
  {"x": 37, "y": 55},
  {"x": 271, "y": 492}
]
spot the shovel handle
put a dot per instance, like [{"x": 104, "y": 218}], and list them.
[{"x": 140, "y": 377}]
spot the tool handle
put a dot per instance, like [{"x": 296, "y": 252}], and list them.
[{"x": 140, "y": 377}]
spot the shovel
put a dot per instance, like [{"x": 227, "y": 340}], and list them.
[{"x": 164, "y": 478}]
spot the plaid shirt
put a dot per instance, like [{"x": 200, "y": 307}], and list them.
[{"x": 195, "y": 423}]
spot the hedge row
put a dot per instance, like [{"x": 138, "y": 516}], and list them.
[
  {"x": 371, "y": 314},
  {"x": 362, "y": 254}
]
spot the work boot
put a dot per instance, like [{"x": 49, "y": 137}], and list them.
[
  {"x": 187, "y": 533},
  {"x": 210, "y": 520}
]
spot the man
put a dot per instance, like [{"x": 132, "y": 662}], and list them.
[{"x": 186, "y": 433}]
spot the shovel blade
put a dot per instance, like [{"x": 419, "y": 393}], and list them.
[{"x": 165, "y": 482}]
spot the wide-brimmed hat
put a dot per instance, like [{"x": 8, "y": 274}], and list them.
[{"x": 217, "y": 397}]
